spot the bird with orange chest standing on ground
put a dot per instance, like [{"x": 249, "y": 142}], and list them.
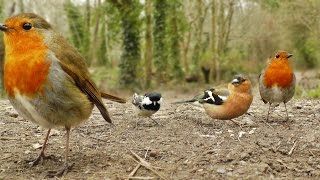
[
  {"x": 277, "y": 81},
  {"x": 46, "y": 79},
  {"x": 226, "y": 103}
]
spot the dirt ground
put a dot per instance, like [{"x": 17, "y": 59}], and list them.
[{"x": 188, "y": 145}]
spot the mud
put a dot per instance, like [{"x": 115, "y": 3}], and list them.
[{"x": 187, "y": 145}]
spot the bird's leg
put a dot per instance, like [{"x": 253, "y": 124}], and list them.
[
  {"x": 41, "y": 156},
  {"x": 237, "y": 123},
  {"x": 137, "y": 122},
  {"x": 285, "y": 106},
  {"x": 269, "y": 111},
  {"x": 154, "y": 121},
  {"x": 66, "y": 167}
]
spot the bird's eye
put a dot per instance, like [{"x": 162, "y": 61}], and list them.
[
  {"x": 27, "y": 26},
  {"x": 277, "y": 56}
]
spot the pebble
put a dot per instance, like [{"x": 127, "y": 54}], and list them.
[
  {"x": 248, "y": 121},
  {"x": 154, "y": 154},
  {"x": 221, "y": 170}
]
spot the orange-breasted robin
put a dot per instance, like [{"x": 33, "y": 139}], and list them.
[
  {"x": 277, "y": 81},
  {"x": 147, "y": 104},
  {"x": 46, "y": 79},
  {"x": 226, "y": 103}
]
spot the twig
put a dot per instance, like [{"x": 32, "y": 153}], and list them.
[
  {"x": 8, "y": 138},
  {"x": 282, "y": 163},
  {"x": 207, "y": 136},
  {"x": 277, "y": 146},
  {"x": 6, "y": 157},
  {"x": 133, "y": 172},
  {"x": 145, "y": 155},
  {"x": 291, "y": 150},
  {"x": 96, "y": 125},
  {"x": 147, "y": 165},
  {"x": 267, "y": 123},
  {"x": 137, "y": 177},
  {"x": 311, "y": 153}
]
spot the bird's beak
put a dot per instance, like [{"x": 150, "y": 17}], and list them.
[
  {"x": 289, "y": 55},
  {"x": 235, "y": 81},
  {"x": 3, "y": 27}
]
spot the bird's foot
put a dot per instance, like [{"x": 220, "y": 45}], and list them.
[
  {"x": 158, "y": 124},
  {"x": 237, "y": 123},
  {"x": 41, "y": 157},
  {"x": 61, "y": 172}
]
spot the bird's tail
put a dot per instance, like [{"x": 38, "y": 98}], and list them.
[
  {"x": 186, "y": 101},
  {"x": 113, "y": 98}
]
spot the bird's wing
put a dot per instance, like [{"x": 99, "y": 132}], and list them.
[
  {"x": 259, "y": 80},
  {"x": 74, "y": 65},
  {"x": 214, "y": 96},
  {"x": 89, "y": 88},
  {"x": 210, "y": 96},
  {"x": 137, "y": 99},
  {"x": 113, "y": 98}
]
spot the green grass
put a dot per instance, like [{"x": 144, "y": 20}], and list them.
[{"x": 307, "y": 93}]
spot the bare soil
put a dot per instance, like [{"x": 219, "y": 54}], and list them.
[{"x": 188, "y": 145}]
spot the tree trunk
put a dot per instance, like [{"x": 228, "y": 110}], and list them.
[
  {"x": 185, "y": 50},
  {"x": 213, "y": 41},
  {"x": 148, "y": 45},
  {"x": 130, "y": 57},
  {"x": 95, "y": 41},
  {"x": 228, "y": 23},
  {"x": 21, "y": 6},
  {"x": 2, "y": 49},
  {"x": 198, "y": 38},
  {"x": 174, "y": 40},
  {"x": 160, "y": 52}
]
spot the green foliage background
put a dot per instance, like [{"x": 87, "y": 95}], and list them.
[{"x": 111, "y": 36}]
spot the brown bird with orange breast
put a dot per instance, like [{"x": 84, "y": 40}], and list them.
[
  {"x": 277, "y": 81},
  {"x": 46, "y": 79}
]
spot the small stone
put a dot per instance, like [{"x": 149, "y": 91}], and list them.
[
  {"x": 248, "y": 121},
  {"x": 54, "y": 132},
  {"x": 14, "y": 115},
  {"x": 36, "y": 146},
  {"x": 154, "y": 154},
  {"x": 221, "y": 170},
  {"x": 129, "y": 169}
]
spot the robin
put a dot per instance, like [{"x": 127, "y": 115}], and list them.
[
  {"x": 148, "y": 104},
  {"x": 277, "y": 81},
  {"x": 226, "y": 103},
  {"x": 46, "y": 79}
]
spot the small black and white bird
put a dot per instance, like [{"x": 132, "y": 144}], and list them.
[{"x": 147, "y": 104}]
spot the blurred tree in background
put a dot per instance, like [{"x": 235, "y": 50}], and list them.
[
  {"x": 133, "y": 43},
  {"x": 174, "y": 32},
  {"x": 1, "y": 52},
  {"x": 80, "y": 34},
  {"x": 160, "y": 46},
  {"x": 148, "y": 52},
  {"x": 130, "y": 11}
]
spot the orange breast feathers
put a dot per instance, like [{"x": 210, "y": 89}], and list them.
[
  {"x": 25, "y": 68},
  {"x": 279, "y": 73}
]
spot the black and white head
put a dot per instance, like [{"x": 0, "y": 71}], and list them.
[
  {"x": 238, "y": 79},
  {"x": 147, "y": 104}
]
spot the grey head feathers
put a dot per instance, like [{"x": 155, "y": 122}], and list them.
[{"x": 148, "y": 102}]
